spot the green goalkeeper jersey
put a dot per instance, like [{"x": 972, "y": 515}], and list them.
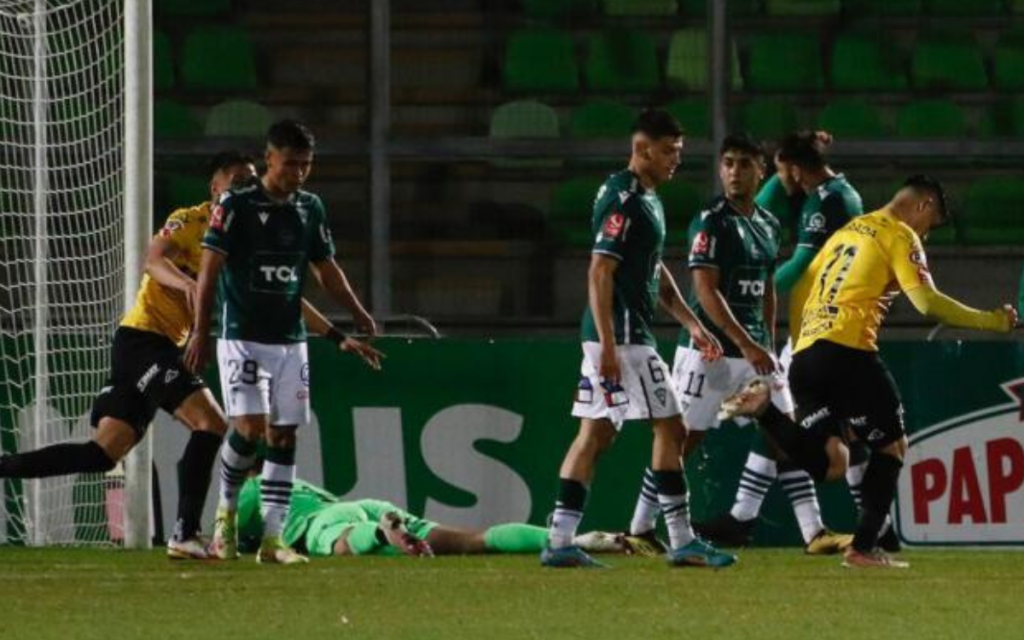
[{"x": 307, "y": 501}]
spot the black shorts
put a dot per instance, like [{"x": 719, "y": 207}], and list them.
[
  {"x": 835, "y": 387},
  {"x": 146, "y": 374}
]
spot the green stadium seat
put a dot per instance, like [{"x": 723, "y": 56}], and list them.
[
  {"x": 686, "y": 66},
  {"x": 866, "y": 62},
  {"x": 571, "y": 210},
  {"x": 785, "y": 62},
  {"x": 163, "y": 62},
  {"x": 968, "y": 8},
  {"x": 694, "y": 114},
  {"x": 994, "y": 211},
  {"x": 601, "y": 119},
  {"x": 218, "y": 58},
  {"x": 1005, "y": 119},
  {"x": 931, "y": 119},
  {"x": 767, "y": 118},
  {"x": 174, "y": 120},
  {"x": 622, "y": 61},
  {"x": 681, "y": 201},
  {"x": 556, "y": 10},
  {"x": 1008, "y": 62},
  {"x": 239, "y": 118},
  {"x": 802, "y": 7},
  {"x": 948, "y": 61},
  {"x": 192, "y": 8},
  {"x": 634, "y": 8},
  {"x": 699, "y": 8},
  {"x": 541, "y": 60},
  {"x": 883, "y": 7},
  {"x": 852, "y": 118},
  {"x": 525, "y": 119}
]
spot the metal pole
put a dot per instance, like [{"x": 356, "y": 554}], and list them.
[
  {"x": 138, "y": 188},
  {"x": 380, "y": 162},
  {"x": 719, "y": 77},
  {"x": 37, "y": 534}
]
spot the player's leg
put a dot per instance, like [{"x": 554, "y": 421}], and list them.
[
  {"x": 859, "y": 453},
  {"x": 112, "y": 441}
]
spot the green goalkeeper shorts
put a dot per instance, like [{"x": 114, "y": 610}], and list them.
[{"x": 331, "y": 522}]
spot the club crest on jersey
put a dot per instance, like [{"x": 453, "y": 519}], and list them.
[
  {"x": 816, "y": 222},
  {"x": 614, "y": 225}
]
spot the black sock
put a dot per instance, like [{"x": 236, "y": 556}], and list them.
[
  {"x": 878, "y": 490},
  {"x": 56, "y": 460},
  {"x": 194, "y": 470},
  {"x": 801, "y": 446},
  {"x": 572, "y": 495}
]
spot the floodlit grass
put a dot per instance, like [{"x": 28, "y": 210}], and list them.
[{"x": 772, "y": 593}]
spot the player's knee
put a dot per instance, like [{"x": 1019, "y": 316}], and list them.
[
  {"x": 210, "y": 423},
  {"x": 838, "y": 460},
  {"x": 281, "y": 437}
]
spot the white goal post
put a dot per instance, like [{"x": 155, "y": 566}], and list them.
[{"x": 75, "y": 217}]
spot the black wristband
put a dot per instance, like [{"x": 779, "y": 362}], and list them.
[{"x": 334, "y": 335}]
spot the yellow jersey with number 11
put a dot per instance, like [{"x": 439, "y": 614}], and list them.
[{"x": 855, "y": 278}]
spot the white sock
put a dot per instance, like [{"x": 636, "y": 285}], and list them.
[
  {"x": 758, "y": 475},
  {"x": 800, "y": 489},
  {"x": 562, "y": 531},
  {"x": 855, "y": 476},
  {"x": 275, "y": 494},
  {"x": 645, "y": 516},
  {"x": 233, "y": 468}
]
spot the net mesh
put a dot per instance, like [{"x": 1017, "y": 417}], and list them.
[{"x": 61, "y": 252}]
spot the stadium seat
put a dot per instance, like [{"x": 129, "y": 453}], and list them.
[
  {"x": 238, "y": 118},
  {"x": 555, "y": 10},
  {"x": 699, "y": 8},
  {"x": 622, "y": 61},
  {"x": 767, "y": 118},
  {"x": 174, "y": 120},
  {"x": 985, "y": 8},
  {"x": 802, "y": 7},
  {"x": 192, "y": 8},
  {"x": 681, "y": 200},
  {"x": 686, "y": 66},
  {"x": 866, "y": 62},
  {"x": 883, "y": 7},
  {"x": 993, "y": 211},
  {"x": 785, "y": 62},
  {"x": 945, "y": 60},
  {"x": 931, "y": 119},
  {"x": 601, "y": 119},
  {"x": 571, "y": 210},
  {"x": 1008, "y": 61},
  {"x": 218, "y": 58},
  {"x": 694, "y": 114},
  {"x": 630, "y": 8},
  {"x": 852, "y": 118},
  {"x": 163, "y": 62},
  {"x": 1005, "y": 119},
  {"x": 525, "y": 119},
  {"x": 541, "y": 60}
]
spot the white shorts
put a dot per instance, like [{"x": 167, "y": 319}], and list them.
[
  {"x": 265, "y": 379},
  {"x": 703, "y": 385},
  {"x": 645, "y": 391}
]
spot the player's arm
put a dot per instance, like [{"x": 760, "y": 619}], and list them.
[
  {"x": 911, "y": 268},
  {"x": 770, "y": 305},
  {"x": 333, "y": 280},
  {"x": 790, "y": 272},
  {"x": 674, "y": 303},
  {"x": 197, "y": 351},
  {"x": 320, "y": 325},
  {"x": 600, "y": 296},
  {"x": 705, "y": 285}
]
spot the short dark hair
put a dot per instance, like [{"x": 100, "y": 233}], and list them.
[
  {"x": 803, "y": 148},
  {"x": 657, "y": 123},
  {"x": 923, "y": 184},
  {"x": 290, "y": 134},
  {"x": 226, "y": 160},
  {"x": 742, "y": 143}
]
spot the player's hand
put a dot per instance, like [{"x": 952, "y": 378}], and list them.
[
  {"x": 609, "y": 370},
  {"x": 365, "y": 352},
  {"x": 1012, "y": 318},
  {"x": 759, "y": 358},
  {"x": 197, "y": 353},
  {"x": 365, "y": 323},
  {"x": 706, "y": 343},
  {"x": 824, "y": 137}
]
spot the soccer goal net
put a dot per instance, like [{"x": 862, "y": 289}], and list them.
[{"x": 62, "y": 252}]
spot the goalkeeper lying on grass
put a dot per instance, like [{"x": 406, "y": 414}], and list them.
[{"x": 322, "y": 524}]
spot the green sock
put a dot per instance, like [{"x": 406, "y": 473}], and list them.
[
  {"x": 516, "y": 538},
  {"x": 362, "y": 538}
]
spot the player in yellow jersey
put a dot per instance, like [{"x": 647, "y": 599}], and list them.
[
  {"x": 842, "y": 389},
  {"x": 147, "y": 373}
]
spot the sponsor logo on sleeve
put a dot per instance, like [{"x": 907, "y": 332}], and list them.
[
  {"x": 917, "y": 258},
  {"x": 816, "y": 222},
  {"x": 170, "y": 228},
  {"x": 613, "y": 225},
  {"x": 701, "y": 244},
  {"x": 217, "y": 218}
]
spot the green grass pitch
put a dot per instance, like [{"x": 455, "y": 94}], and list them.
[{"x": 771, "y": 593}]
